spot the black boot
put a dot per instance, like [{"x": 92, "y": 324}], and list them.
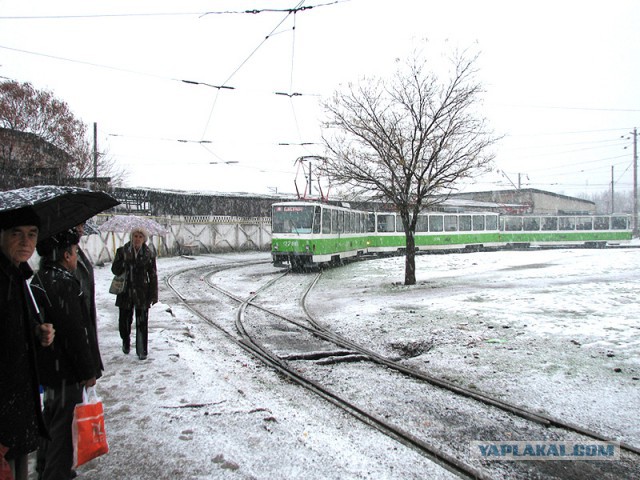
[{"x": 126, "y": 346}]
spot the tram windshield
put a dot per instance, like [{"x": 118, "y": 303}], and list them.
[{"x": 292, "y": 219}]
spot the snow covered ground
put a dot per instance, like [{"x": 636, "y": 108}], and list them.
[{"x": 555, "y": 330}]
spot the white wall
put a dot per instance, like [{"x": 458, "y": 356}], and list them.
[{"x": 188, "y": 235}]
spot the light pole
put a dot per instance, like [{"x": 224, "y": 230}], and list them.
[
  {"x": 634, "y": 220},
  {"x": 95, "y": 156}
]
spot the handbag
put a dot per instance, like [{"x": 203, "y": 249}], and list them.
[
  {"x": 87, "y": 429},
  {"x": 117, "y": 284}
]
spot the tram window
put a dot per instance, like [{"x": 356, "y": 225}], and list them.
[
  {"x": 292, "y": 219},
  {"x": 316, "y": 220},
  {"x": 371, "y": 222},
  {"x": 512, "y": 224},
  {"x": 567, "y": 223},
  {"x": 619, "y": 223},
  {"x": 464, "y": 223},
  {"x": 277, "y": 222},
  {"x": 492, "y": 222},
  {"x": 531, "y": 223},
  {"x": 339, "y": 222},
  {"x": 326, "y": 220},
  {"x": 399, "y": 226},
  {"x": 550, "y": 223},
  {"x": 436, "y": 223},
  {"x": 584, "y": 223},
  {"x": 385, "y": 223},
  {"x": 601, "y": 223},
  {"x": 423, "y": 223},
  {"x": 450, "y": 223},
  {"x": 478, "y": 222},
  {"x": 334, "y": 221}
]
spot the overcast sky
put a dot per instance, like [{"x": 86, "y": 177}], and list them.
[{"x": 562, "y": 81}]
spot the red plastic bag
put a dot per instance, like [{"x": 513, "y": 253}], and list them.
[
  {"x": 89, "y": 436},
  {"x": 5, "y": 468}
]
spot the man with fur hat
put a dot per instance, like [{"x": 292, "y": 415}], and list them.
[
  {"x": 73, "y": 361},
  {"x": 20, "y": 413},
  {"x": 138, "y": 261}
]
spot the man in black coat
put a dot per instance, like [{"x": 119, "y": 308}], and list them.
[
  {"x": 20, "y": 413},
  {"x": 73, "y": 360}
]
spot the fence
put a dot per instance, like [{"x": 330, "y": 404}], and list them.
[{"x": 187, "y": 235}]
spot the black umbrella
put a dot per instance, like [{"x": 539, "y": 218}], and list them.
[{"x": 59, "y": 208}]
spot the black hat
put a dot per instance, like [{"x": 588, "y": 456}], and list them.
[
  {"x": 21, "y": 216},
  {"x": 59, "y": 241}
]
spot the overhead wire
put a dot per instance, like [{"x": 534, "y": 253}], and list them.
[
  {"x": 291, "y": 95},
  {"x": 568, "y": 170},
  {"x": 167, "y": 14},
  {"x": 204, "y": 132},
  {"x": 82, "y": 62},
  {"x": 299, "y": 7}
]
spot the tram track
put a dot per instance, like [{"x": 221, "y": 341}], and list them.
[
  {"x": 541, "y": 418},
  {"x": 261, "y": 353},
  {"x": 249, "y": 335}
]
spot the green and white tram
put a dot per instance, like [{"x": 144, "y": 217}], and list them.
[
  {"x": 306, "y": 234},
  {"x": 311, "y": 234},
  {"x": 436, "y": 231}
]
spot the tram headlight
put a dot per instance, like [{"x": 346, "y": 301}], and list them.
[{"x": 306, "y": 247}]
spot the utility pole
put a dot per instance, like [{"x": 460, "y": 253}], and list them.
[
  {"x": 95, "y": 155},
  {"x": 635, "y": 182},
  {"x": 612, "y": 207},
  {"x": 517, "y": 187}
]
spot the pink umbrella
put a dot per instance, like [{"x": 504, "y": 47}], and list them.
[{"x": 126, "y": 223}]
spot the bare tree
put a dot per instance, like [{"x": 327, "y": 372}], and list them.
[
  {"x": 37, "y": 118},
  {"x": 408, "y": 140}
]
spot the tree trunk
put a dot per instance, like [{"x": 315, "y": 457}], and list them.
[{"x": 410, "y": 260}]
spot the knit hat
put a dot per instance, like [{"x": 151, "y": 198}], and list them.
[
  {"x": 59, "y": 241},
  {"x": 19, "y": 217}
]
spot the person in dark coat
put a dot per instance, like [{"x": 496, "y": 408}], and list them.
[
  {"x": 138, "y": 261},
  {"x": 73, "y": 361},
  {"x": 20, "y": 411},
  {"x": 84, "y": 273}
]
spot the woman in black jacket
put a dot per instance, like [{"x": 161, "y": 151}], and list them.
[{"x": 138, "y": 262}]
